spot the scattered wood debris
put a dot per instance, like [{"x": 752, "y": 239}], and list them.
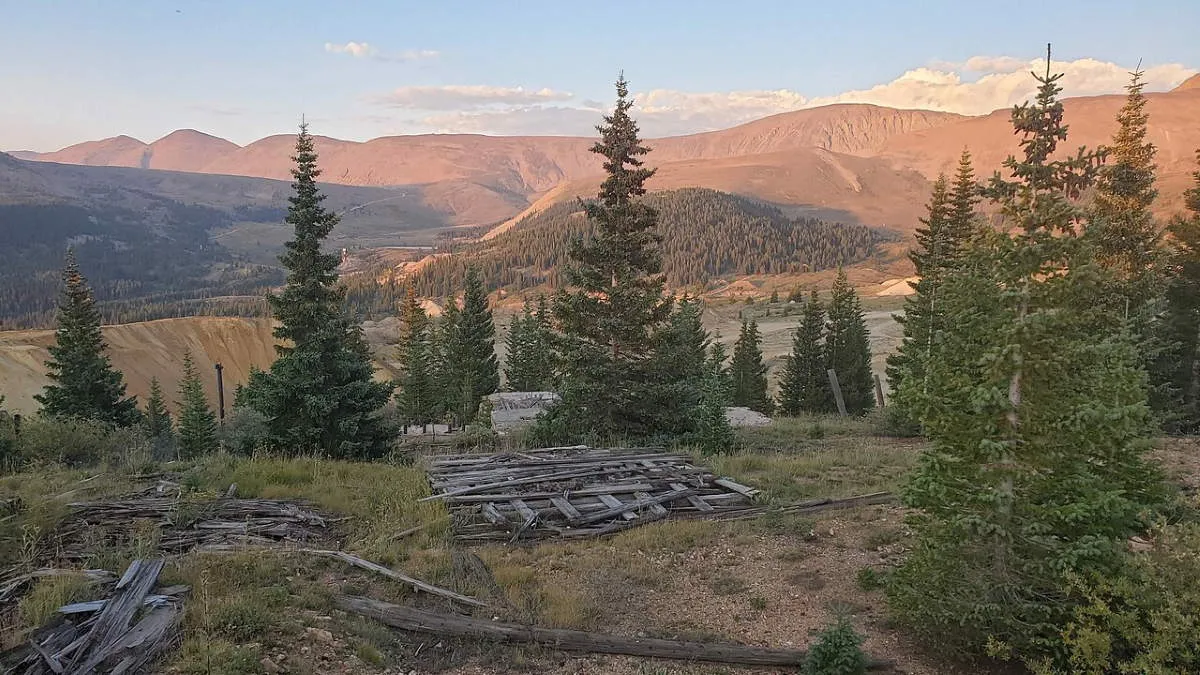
[
  {"x": 187, "y": 525},
  {"x": 575, "y": 491},
  {"x": 454, "y": 625},
  {"x": 124, "y": 632}
]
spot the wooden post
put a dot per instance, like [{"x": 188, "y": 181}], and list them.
[
  {"x": 837, "y": 392},
  {"x": 878, "y": 392},
  {"x": 220, "y": 392}
]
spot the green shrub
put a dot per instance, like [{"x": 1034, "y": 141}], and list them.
[
  {"x": 1145, "y": 619},
  {"x": 837, "y": 651},
  {"x": 244, "y": 431},
  {"x": 241, "y": 621},
  {"x": 897, "y": 422},
  {"x": 75, "y": 442},
  {"x": 815, "y": 431},
  {"x": 870, "y": 579}
]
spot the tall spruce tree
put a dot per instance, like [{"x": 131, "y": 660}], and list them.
[
  {"x": 197, "y": 422},
  {"x": 320, "y": 394},
  {"x": 610, "y": 316},
  {"x": 158, "y": 419},
  {"x": 84, "y": 384},
  {"x": 748, "y": 372},
  {"x": 964, "y": 221},
  {"x": 1129, "y": 245},
  {"x": 848, "y": 347},
  {"x": 692, "y": 394},
  {"x": 1176, "y": 365},
  {"x": 804, "y": 386},
  {"x": 1035, "y": 467},
  {"x": 417, "y": 395},
  {"x": 472, "y": 369},
  {"x": 529, "y": 365}
]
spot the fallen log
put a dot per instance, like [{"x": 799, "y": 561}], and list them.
[
  {"x": 393, "y": 574},
  {"x": 453, "y": 625}
]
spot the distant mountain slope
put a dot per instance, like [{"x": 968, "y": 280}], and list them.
[
  {"x": 894, "y": 154},
  {"x": 151, "y": 240},
  {"x": 706, "y": 235}
]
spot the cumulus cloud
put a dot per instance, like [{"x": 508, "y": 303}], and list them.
[
  {"x": 1002, "y": 82},
  {"x": 975, "y": 86},
  {"x": 363, "y": 50},
  {"x": 467, "y": 97}
]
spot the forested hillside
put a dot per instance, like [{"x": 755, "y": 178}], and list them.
[
  {"x": 155, "y": 262},
  {"x": 706, "y": 235}
]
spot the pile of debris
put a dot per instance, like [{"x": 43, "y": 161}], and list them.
[
  {"x": 183, "y": 524},
  {"x": 123, "y": 632},
  {"x": 575, "y": 491}
]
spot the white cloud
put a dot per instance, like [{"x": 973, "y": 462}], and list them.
[
  {"x": 467, "y": 97},
  {"x": 363, "y": 50},
  {"x": 975, "y": 86}
]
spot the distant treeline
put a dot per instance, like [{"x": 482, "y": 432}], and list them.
[
  {"x": 706, "y": 234},
  {"x": 155, "y": 262}
]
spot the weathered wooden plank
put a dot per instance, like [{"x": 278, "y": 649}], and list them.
[
  {"x": 417, "y": 584},
  {"x": 655, "y": 508},
  {"x": 694, "y": 500},
  {"x": 614, "y": 503},
  {"x": 587, "y": 490},
  {"x": 561, "y": 475},
  {"x": 637, "y": 504},
  {"x": 493, "y": 514},
  {"x": 565, "y": 507},
  {"x": 743, "y": 490},
  {"x": 526, "y": 513},
  {"x": 421, "y": 621}
]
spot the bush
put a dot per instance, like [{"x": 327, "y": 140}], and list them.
[
  {"x": 838, "y": 651},
  {"x": 75, "y": 442},
  {"x": 244, "y": 431},
  {"x": 895, "y": 421},
  {"x": 1145, "y": 619}
]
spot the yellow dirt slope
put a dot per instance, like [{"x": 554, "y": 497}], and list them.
[{"x": 145, "y": 350}]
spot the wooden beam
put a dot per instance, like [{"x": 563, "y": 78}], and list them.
[{"x": 453, "y": 625}]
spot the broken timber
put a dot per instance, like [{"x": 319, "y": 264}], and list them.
[
  {"x": 575, "y": 491},
  {"x": 454, "y": 625}
]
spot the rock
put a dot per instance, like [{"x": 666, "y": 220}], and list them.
[
  {"x": 320, "y": 634},
  {"x": 269, "y": 666}
]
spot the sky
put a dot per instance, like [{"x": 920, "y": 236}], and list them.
[{"x": 77, "y": 70}]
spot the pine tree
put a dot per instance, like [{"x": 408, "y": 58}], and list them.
[
  {"x": 1175, "y": 366},
  {"x": 529, "y": 366},
  {"x": 320, "y": 394},
  {"x": 197, "y": 423},
  {"x": 1125, "y": 232},
  {"x": 472, "y": 368},
  {"x": 84, "y": 383},
  {"x": 963, "y": 221},
  {"x": 748, "y": 372},
  {"x": 804, "y": 386},
  {"x": 1035, "y": 467},
  {"x": 158, "y": 419},
  {"x": 413, "y": 322},
  {"x": 610, "y": 317},
  {"x": 848, "y": 347},
  {"x": 416, "y": 398}
]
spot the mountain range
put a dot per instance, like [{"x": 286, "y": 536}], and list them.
[{"x": 852, "y": 162}]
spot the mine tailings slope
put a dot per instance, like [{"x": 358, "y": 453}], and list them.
[{"x": 145, "y": 350}]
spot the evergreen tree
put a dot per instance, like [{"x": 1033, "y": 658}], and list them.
[
  {"x": 197, "y": 423},
  {"x": 158, "y": 419},
  {"x": 610, "y": 317},
  {"x": 716, "y": 365},
  {"x": 1125, "y": 232},
  {"x": 963, "y": 221},
  {"x": 416, "y": 398},
  {"x": 1175, "y": 366},
  {"x": 804, "y": 386},
  {"x": 529, "y": 366},
  {"x": 1035, "y": 467},
  {"x": 748, "y": 372},
  {"x": 1128, "y": 242},
  {"x": 84, "y": 383},
  {"x": 848, "y": 347},
  {"x": 472, "y": 368},
  {"x": 320, "y": 394}
]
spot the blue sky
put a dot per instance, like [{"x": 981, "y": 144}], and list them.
[{"x": 87, "y": 69}]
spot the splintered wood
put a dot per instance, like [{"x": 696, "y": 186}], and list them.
[
  {"x": 124, "y": 632},
  {"x": 575, "y": 492}
]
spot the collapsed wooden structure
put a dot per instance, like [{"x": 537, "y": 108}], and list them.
[
  {"x": 576, "y": 491},
  {"x": 123, "y": 632}
]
